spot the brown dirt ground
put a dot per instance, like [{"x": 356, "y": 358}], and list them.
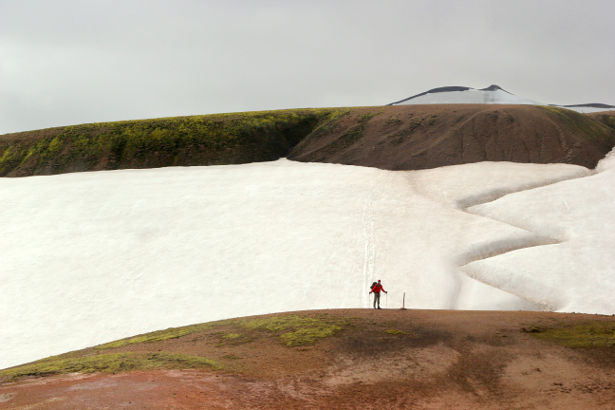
[
  {"x": 445, "y": 359},
  {"x": 407, "y": 137}
]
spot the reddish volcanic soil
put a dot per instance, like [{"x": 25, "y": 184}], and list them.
[
  {"x": 409, "y": 137},
  {"x": 383, "y": 359}
]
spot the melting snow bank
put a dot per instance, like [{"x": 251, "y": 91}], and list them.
[
  {"x": 575, "y": 275},
  {"x": 91, "y": 257}
]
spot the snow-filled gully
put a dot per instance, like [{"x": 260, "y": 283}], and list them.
[{"x": 505, "y": 246}]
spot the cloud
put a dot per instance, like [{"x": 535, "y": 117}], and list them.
[{"x": 72, "y": 62}]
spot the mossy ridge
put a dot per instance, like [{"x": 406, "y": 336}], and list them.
[
  {"x": 195, "y": 140},
  {"x": 294, "y": 330},
  {"x": 109, "y": 363},
  {"x": 586, "y": 335}
]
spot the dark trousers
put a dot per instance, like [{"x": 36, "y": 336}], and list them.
[{"x": 376, "y": 299}]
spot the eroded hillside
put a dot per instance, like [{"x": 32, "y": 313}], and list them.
[{"x": 429, "y": 136}]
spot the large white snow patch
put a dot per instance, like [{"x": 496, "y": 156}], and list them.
[
  {"x": 577, "y": 274},
  {"x": 91, "y": 257}
]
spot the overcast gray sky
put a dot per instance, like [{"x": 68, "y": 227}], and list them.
[{"x": 67, "y": 62}]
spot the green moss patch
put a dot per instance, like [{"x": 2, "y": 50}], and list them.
[
  {"x": 588, "y": 335},
  {"x": 295, "y": 330},
  {"x": 109, "y": 362},
  {"x": 157, "y": 336},
  {"x": 196, "y": 140},
  {"x": 232, "y": 338},
  {"x": 309, "y": 335},
  {"x": 396, "y": 332}
]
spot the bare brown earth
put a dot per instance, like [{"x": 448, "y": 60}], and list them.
[
  {"x": 420, "y": 359},
  {"x": 428, "y": 136}
]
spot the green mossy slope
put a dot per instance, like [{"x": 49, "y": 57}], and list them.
[
  {"x": 176, "y": 141},
  {"x": 590, "y": 334},
  {"x": 309, "y": 342},
  {"x": 164, "y": 349},
  {"x": 109, "y": 363}
]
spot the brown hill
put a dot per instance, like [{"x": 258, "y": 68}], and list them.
[
  {"x": 606, "y": 117},
  {"x": 338, "y": 359},
  {"x": 427, "y": 136},
  {"x": 397, "y": 137}
]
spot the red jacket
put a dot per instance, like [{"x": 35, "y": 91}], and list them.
[{"x": 377, "y": 288}]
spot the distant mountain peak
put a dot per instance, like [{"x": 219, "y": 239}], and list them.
[
  {"x": 494, "y": 87},
  {"x": 591, "y": 105},
  {"x": 455, "y": 94},
  {"x": 494, "y": 94}
]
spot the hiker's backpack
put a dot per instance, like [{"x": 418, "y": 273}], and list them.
[{"x": 373, "y": 285}]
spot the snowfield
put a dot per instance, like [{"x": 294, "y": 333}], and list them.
[
  {"x": 577, "y": 273},
  {"x": 92, "y": 257}
]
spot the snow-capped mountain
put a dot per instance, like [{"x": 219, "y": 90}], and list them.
[
  {"x": 493, "y": 94},
  {"x": 465, "y": 95}
]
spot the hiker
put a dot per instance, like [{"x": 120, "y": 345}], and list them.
[{"x": 376, "y": 288}]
